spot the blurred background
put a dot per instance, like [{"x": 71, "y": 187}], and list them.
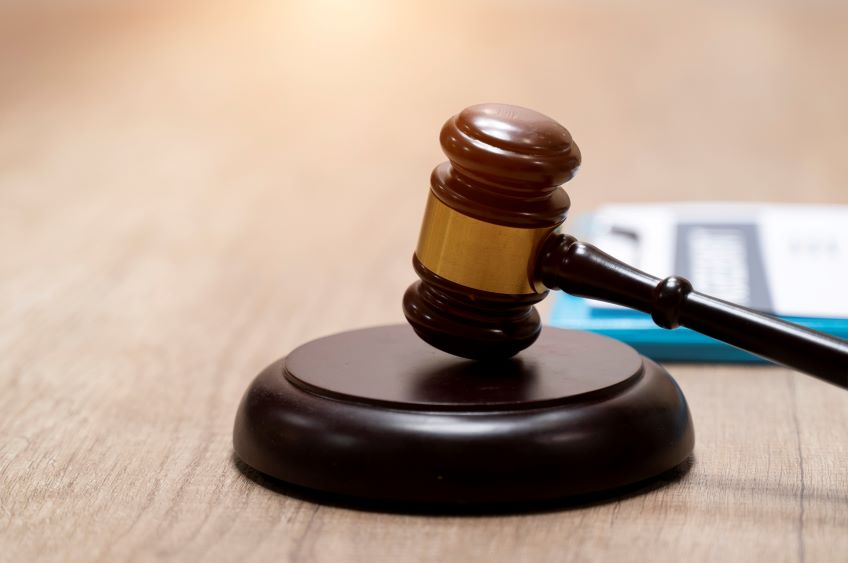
[
  {"x": 263, "y": 145},
  {"x": 189, "y": 189}
]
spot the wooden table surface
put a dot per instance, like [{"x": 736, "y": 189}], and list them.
[{"x": 188, "y": 190}]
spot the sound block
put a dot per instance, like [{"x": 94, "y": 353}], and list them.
[{"x": 380, "y": 415}]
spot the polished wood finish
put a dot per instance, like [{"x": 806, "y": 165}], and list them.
[
  {"x": 584, "y": 270},
  {"x": 506, "y": 164},
  {"x": 163, "y": 163},
  {"x": 507, "y": 148},
  {"x": 377, "y": 414},
  {"x": 470, "y": 323}
]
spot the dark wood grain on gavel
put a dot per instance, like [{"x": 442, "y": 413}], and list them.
[
  {"x": 489, "y": 250},
  {"x": 506, "y": 167},
  {"x": 582, "y": 269}
]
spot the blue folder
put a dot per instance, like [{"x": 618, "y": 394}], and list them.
[{"x": 677, "y": 345}]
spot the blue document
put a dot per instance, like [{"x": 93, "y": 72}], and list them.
[{"x": 786, "y": 260}]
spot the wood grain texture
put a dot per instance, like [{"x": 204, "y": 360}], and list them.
[{"x": 188, "y": 190}]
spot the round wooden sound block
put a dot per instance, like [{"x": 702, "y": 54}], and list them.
[{"x": 378, "y": 414}]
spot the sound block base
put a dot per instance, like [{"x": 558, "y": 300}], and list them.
[{"x": 377, "y": 414}]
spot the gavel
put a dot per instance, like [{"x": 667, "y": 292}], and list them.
[{"x": 490, "y": 248}]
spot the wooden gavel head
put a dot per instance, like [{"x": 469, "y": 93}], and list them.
[{"x": 489, "y": 210}]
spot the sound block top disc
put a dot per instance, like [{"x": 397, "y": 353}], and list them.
[
  {"x": 388, "y": 366},
  {"x": 379, "y": 414}
]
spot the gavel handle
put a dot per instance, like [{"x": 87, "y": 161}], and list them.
[{"x": 584, "y": 270}]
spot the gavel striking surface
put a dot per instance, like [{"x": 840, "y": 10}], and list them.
[{"x": 378, "y": 414}]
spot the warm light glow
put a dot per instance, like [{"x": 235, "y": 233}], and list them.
[{"x": 333, "y": 21}]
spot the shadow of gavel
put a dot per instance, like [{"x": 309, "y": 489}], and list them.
[{"x": 490, "y": 249}]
